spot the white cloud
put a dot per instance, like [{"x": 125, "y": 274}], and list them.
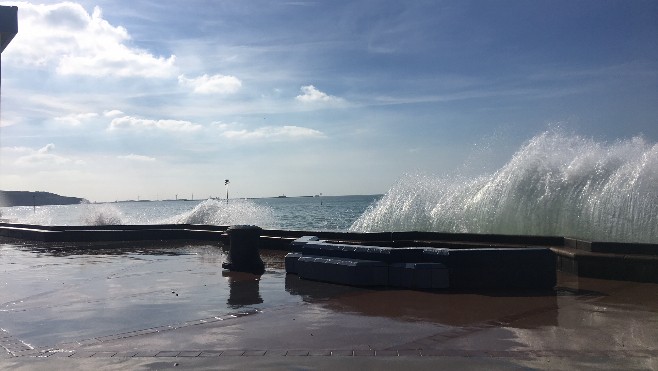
[
  {"x": 16, "y": 149},
  {"x": 112, "y": 113},
  {"x": 44, "y": 156},
  {"x": 220, "y": 84},
  {"x": 47, "y": 148},
  {"x": 276, "y": 133},
  {"x": 134, "y": 157},
  {"x": 76, "y": 118},
  {"x": 310, "y": 94},
  {"x": 78, "y": 43},
  {"x": 129, "y": 122}
]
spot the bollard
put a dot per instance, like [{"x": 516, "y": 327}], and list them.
[{"x": 243, "y": 255}]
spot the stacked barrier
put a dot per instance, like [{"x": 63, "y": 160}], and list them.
[{"x": 422, "y": 268}]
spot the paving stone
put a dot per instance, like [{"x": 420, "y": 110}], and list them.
[
  {"x": 82, "y": 354},
  {"x": 28, "y": 353},
  {"x": 125, "y": 354},
  {"x": 88, "y": 341},
  {"x": 233, "y": 353},
  {"x": 342, "y": 353},
  {"x": 321, "y": 352},
  {"x": 147, "y": 353},
  {"x": 386, "y": 353},
  {"x": 297, "y": 353},
  {"x": 167, "y": 354},
  {"x": 189, "y": 353},
  {"x": 147, "y": 331},
  {"x": 104, "y": 354},
  {"x": 276, "y": 352},
  {"x": 364, "y": 352},
  {"x": 409, "y": 352},
  {"x": 252, "y": 353},
  {"x": 211, "y": 353}
]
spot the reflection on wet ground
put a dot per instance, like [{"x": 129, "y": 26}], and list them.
[
  {"x": 56, "y": 294},
  {"x": 123, "y": 298}
]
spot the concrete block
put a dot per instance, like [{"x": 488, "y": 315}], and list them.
[
  {"x": 291, "y": 262},
  {"x": 409, "y": 254},
  {"x": 319, "y": 248},
  {"x": 345, "y": 251},
  {"x": 434, "y": 255},
  {"x": 353, "y": 272},
  {"x": 532, "y": 268},
  {"x": 400, "y": 275},
  {"x": 297, "y": 244},
  {"x": 440, "y": 278},
  {"x": 419, "y": 275}
]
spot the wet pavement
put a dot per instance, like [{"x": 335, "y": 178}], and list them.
[{"x": 157, "y": 306}]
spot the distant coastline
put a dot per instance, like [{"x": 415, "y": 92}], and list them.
[{"x": 26, "y": 198}]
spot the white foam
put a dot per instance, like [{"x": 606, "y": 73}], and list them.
[
  {"x": 216, "y": 212},
  {"x": 555, "y": 184},
  {"x": 102, "y": 214}
]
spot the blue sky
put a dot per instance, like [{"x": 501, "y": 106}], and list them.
[{"x": 113, "y": 100}]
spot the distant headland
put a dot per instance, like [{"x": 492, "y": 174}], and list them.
[{"x": 25, "y": 198}]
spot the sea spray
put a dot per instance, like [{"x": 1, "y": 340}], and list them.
[
  {"x": 102, "y": 214},
  {"x": 555, "y": 184},
  {"x": 216, "y": 212},
  {"x": 38, "y": 215}
]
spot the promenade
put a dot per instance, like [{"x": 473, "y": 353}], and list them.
[{"x": 144, "y": 306}]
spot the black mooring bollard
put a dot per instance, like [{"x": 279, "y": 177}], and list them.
[{"x": 243, "y": 255}]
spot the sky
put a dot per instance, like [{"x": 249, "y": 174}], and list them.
[{"x": 114, "y": 100}]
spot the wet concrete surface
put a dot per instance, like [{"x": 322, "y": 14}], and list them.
[{"x": 156, "y": 306}]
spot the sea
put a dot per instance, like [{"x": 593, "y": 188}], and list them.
[
  {"x": 324, "y": 213},
  {"x": 555, "y": 184}
]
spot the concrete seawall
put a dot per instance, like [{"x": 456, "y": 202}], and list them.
[{"x": 608, "y": 260}]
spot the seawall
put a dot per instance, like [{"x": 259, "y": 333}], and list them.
[{"x": 608, "y": 260}]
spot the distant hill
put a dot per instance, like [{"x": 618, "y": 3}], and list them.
[{"x": 24, "y": 198}]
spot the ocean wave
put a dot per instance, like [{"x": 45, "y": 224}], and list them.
[{"x": 555, "y": 184}]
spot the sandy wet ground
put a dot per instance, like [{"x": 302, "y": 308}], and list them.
[{"x": 160, "y": 306}]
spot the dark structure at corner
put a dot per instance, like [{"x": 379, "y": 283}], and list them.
[
  {"x": 608, "y": 260},
  {"x": 8, "y": 25},
  {"x": 8, "y": 29}
]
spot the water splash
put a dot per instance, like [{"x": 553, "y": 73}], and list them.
[
  {"x": 105, "y": 214},
  {"x": 215, "y": 212},
  {"x": 555, "y": 184}
]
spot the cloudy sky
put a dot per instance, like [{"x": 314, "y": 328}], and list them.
[{"x": 114, "y": 99}]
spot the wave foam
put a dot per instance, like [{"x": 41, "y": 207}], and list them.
[
  {"x": 215, "y": 212},
  {"x": 556, "y": 184}
]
